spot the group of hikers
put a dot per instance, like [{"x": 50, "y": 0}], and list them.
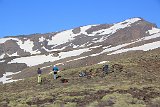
[
  {"x": 55, "y": 69},
  {"x": 39, "y": 72}
]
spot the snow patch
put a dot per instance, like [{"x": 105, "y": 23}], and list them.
[
  {"x": 152, "y": 36},
  {"x": 94, "y": 39},
  {"x": 95, "y": 47},
  {"x": 14, "y": 54},
  {"x": 103, "y": 62},
  {"x": 2, "y": 61},
  {"x": 67, "y": 36},
  {"x": 153, "y": 31},
  {"x": 85, "y": 44},
  {"x": 100, "y": 40},
  {"x": 109, "y": 48},
  {"x": 62, "y": 38},
  {"x": 116, "y": 47},
  {"x": 2, "y": 56},
  {"x": 6, "y": 79},
  {"x": 57, "y": 49},
  {"x": 59, "y": 64},
  {"x": 46, "y": 49},
  {"x": 3, "y": 40},
  {"x": 116, "y": 27},
  {"x": 75, "y": 46},
  {"x": 27, "y": 46},
  {"x": 145, "y": 47},
  {"x": 84, "y": 28},
  {"x": 95, "y": 54},
  {"x": 41, "y": 39},
  {"x": 46, "y": 67},
  {"x": 40, "y": 59}
]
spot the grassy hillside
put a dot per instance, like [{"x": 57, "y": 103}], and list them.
[{"x": 132, "y": 82}]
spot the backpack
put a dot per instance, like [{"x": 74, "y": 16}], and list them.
[
  {"x": 55, "y": 69},
  {"x": 82, "y": 74}
]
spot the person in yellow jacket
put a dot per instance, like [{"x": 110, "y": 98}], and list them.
[{"x": 39, "y": 72}]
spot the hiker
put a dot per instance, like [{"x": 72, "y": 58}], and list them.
[
  {"x": 105, "y": 69},
  {"x": 55, "y": 70},
  {"x": 39, "y": 72}
]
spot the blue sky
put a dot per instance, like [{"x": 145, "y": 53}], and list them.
[{"x": 18, "y": 17}]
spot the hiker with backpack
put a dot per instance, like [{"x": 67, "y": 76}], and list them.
[
  {"x": 106, "y": 69},
  {"x": 39, "y": 72},
  {"x": 55, "y": 70}
]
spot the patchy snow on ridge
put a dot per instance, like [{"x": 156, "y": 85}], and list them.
[
  {"x": 115, "y": 47},
  {"x": 14, "y": 54},
  {"x": 99, "y": 40},
  {"x": 145, "y": 47},
  {"x": 95, "y": 54},
  {"x": 27, "y": 46},
  {"x": 6, "y": 79},
  {"x": 41, "y": 39},
  {"x": 152, "y": 36},
  {"x": 66, "y": 36},
  {"x": 2, "y": 61},
  {"x": 84, "y": 28},
  {"x": 40, "y": 59},
  {"x": 153, "y": 31},
  {"x": 95, "y": 47},
  {"x": 47, "y": 49},
  {"x": 2, "y": 56},
  {"x": 115, "y": 27},
  {"x": 62, "y": 37},
  {"x": 56, "y": 49},
  {"x": 3, "y": 40},
  {"x": 75, "y": 46},
  {"x": 109, "y": 48}
]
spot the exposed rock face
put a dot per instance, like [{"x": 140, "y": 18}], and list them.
[
  {"x": 11, "y": 47},
  {"x": 97, "y": 28},
  {"x": 1, "y": 49},
  {"x": 11, "y": 68},
  {"x": 76, "y": 30}
]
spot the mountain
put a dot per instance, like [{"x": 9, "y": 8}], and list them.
[
  {"x": 78, "y": 47},
  {"x": 130, "y": 48}
]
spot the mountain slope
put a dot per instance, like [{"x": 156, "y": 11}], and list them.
[
  {"x": 131, "y": 81},
  {"x": 86, "y": 45},
  {"x": 127, "y": 30}
]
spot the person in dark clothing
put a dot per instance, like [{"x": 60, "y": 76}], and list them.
[
  {"x": 55, "y": 70},
  {"x": 105, "y": 69},
  {"x": 39, "y": 72}
]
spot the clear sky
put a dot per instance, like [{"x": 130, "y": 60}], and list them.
[{"x": 18, "y": 17}]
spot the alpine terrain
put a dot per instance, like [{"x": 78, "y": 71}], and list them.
[{"x": 131, "y": 48}]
